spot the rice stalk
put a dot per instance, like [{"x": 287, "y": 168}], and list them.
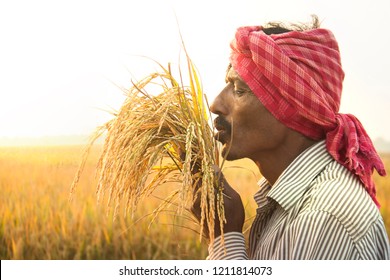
[{"x": 156, "y": 139}]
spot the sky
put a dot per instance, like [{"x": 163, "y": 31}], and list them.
[{"x": 62, "y": 63}]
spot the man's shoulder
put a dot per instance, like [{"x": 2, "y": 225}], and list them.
[{"x": 341, "y": 194}]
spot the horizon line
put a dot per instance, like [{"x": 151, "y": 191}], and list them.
[{"x": 381, "y": 144}]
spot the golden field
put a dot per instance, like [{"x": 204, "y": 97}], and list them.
[{"x": 37, "y": 221}]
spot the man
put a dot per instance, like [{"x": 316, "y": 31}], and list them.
[{"x": 280, "y": 109}]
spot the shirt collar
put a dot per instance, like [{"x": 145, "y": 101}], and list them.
[{"x": 296, "y": 178}]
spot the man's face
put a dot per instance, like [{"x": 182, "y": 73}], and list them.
[{"x": 245, "y": 127}]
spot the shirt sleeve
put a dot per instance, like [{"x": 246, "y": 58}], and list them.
[
  {"x": 320, "y": 235},
  {"x": 233, "y": 247},
  {"x": 375, "y": 244},
  {"x": 317, "y": 235}
]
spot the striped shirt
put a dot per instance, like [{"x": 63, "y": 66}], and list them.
[{"x": 316, "y": 209}]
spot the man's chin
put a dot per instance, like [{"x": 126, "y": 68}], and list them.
[{"x": 228, "y": 154}]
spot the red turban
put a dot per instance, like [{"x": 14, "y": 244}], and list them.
[{"x": 298, "y": 77}]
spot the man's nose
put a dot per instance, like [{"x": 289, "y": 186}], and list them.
[{"x": 219, "y": 106}]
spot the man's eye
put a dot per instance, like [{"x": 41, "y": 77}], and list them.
[{"x": 239, "y": 92}]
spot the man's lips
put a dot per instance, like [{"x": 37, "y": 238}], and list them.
[
  {"x": 223, "y": 129},
  {"x": 220, "y": 136},
  {"x": 220, "y": 128}
]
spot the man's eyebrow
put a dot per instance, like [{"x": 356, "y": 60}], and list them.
[
  {"x": 232, "y": 78},
  {"x": 227, "y": 78}
]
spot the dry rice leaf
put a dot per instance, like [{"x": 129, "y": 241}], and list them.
[{"x": 145, "y": 142}]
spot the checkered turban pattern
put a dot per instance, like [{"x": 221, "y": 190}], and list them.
[{"x": 298, "y": 77}]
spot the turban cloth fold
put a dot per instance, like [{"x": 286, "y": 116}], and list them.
[{"x": 298, "y": 77}]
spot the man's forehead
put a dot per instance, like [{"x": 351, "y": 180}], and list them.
[{"x": 232, "y": 75}]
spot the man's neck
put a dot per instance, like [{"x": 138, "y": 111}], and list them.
[{"x": 272, "y": 164}]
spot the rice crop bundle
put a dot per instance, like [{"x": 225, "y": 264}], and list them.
[{"x": 159, "y": 138}]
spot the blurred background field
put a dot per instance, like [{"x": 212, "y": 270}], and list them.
[{"x": 38, "y": 222}]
